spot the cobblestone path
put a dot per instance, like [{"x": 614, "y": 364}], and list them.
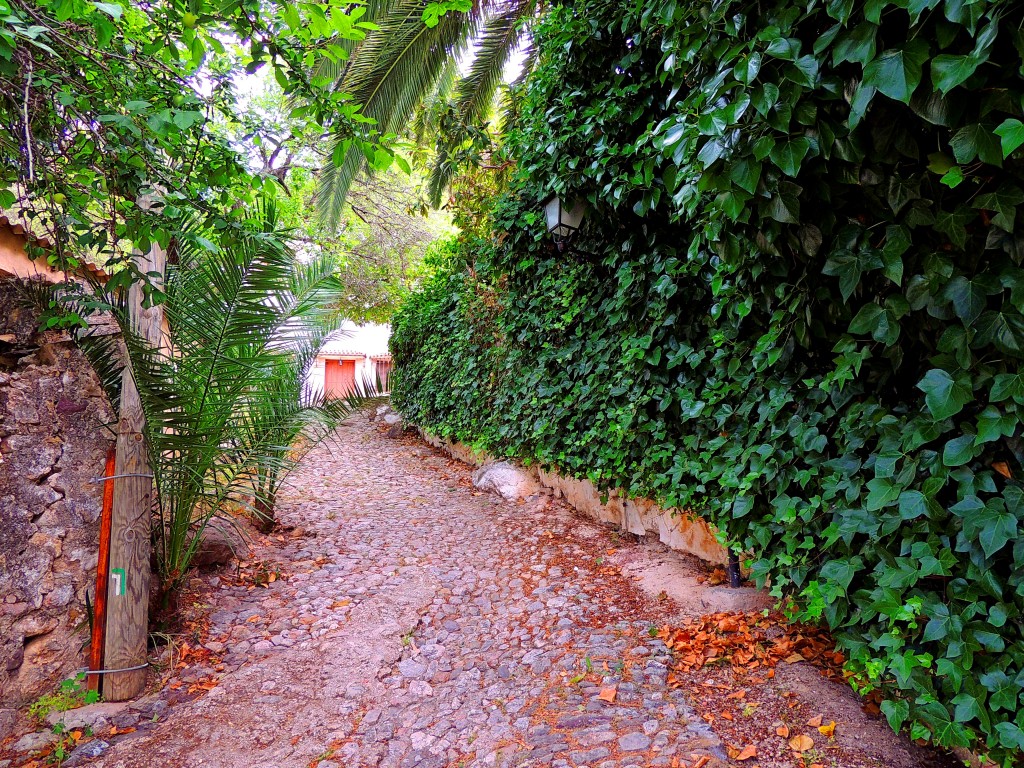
[{"x": 423, "y": 623}]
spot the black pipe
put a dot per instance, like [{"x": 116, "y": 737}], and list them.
[{"x": 733, "y": 569}]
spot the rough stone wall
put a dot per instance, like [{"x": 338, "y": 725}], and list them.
[{"x": 53, "y": 440}]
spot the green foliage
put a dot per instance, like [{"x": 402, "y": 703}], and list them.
[
  {"x": 795, "y": 308},
  {"x": 223, "y": 397},
  {"x": 411, "y": 59},
  {"x": 70, "y": 694},
  {"x": 110, "y": 103}
]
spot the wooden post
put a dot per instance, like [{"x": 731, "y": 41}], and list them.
[{"x": 128, "y": 593}]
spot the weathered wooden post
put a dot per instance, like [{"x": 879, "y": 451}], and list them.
[{"x": 128, "y": 591}]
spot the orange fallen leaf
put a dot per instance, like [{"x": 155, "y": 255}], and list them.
[
  {"x": 801, "y": 743},
  {"x": 607, "y": 694},
  {"x": 828, "y": 731},
  {"x": 1002, "y": 468},
  {"x": 701, "y": 762},
  {"x": 737, "y": 695},
  {"x": 76, "y": 735},
  {"x": 726, "y": 715},
  {"x": 748, "y": 752},
  {"x": 815, "y": 721},
  {"x": 783, "y": 731}
]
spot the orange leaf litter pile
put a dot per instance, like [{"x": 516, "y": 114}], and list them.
[
  {"x": 749, "y": 641},
  {"x": 748, "y": 644}
]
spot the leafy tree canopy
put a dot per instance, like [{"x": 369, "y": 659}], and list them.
[{"x": 111, "y": 103}]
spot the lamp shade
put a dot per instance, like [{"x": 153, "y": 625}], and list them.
[{"x": 562, "y": 219}]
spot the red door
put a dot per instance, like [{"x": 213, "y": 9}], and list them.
[{"x": 339, "y": 377}]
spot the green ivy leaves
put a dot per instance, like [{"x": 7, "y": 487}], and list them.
[
  {"x": 944, "y": 395},
  {"x": 897, "y": 72},
  {"x": 829, "y": 369}
]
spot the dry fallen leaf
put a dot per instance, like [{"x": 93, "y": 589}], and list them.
[
  {"x": 815, "y": 721},
  {"x": 607, "y": 694},
  {"x": 783, "y": 731},
  {"x": 701, "y": 762},
  {"x": 726, "y": 715},
  {"x": 748, "y": 752},
  {"x": 828, "y": 731},
  {"x": 737, "y": 695},
  {"x": 801, "y": 743},
  {"x": 1002, "y": 468}
]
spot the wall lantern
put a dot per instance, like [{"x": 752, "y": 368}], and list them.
[{"x": 563, "y": 219}]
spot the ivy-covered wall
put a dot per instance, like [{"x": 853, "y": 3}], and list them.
[{"x": 795, "y": 307}]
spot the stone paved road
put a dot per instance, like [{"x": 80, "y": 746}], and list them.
[{"x": 426, "y": 624}]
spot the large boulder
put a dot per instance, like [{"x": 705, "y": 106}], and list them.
[{"x": 506, "y": 479}]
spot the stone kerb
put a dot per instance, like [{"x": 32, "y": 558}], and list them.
[{"x": 679, "y": 531}]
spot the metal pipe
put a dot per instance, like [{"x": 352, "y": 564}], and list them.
[{"x": 733, "y": 569}]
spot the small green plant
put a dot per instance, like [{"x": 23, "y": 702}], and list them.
[
  {"x": 70, "y": 694},
  {"x": 66, "y": 742}
]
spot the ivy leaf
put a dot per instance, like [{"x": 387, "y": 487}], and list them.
[
  {"x": 1007, "y": 385},
  {"x": 944, "y": 396},
  {"x": 897, "y": 71},
  {"x": 958, "y": 451},
  {"x": 1011, "y": 135},
  {"x": 1004, "y": 691},
  {"x": 789, "y": 154},
  {"x": 1010, "y": 735},
  {"x": 968, "y": 298},
  {"x": 1004, "y": 330},
  {"x": 994, "y": 424},
  {"x": 949, "y": 71},
  {"x": 953, "y": 177},
  {"x": 913, "y": 504},
  {"x": 975, "y": 140},
  {"x": 1003, "y": 202},
  {"x": 857, "y": 45},
  {"x": 992, "y": 525},
  {"x": 881, "y": 493},
  {"x": 896, "y": 712}
]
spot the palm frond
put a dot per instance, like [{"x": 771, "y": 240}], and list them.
[
  {"x": 498, "y": 40},
  {"x": 389, "y": 74}
]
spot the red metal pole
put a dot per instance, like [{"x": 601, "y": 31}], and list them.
[{"x": 99, "y": 611}]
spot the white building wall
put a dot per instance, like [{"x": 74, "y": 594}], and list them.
[{"x": 369, "y": 341}]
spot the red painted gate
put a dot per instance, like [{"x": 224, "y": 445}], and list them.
[{"x": 339, "y": 377}]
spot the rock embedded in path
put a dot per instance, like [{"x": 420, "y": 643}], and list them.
[
  {"x": 219, "y": 543},
  {"x": 506, "y": 479}
]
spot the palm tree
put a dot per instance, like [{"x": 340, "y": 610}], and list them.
[
  {"x": 223, "y": 402},
  {"x": 405, "y": 64}
]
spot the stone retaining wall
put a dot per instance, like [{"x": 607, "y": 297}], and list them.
[
  {"x": 53, "y": 440},
  {"x": 676, "y": 530}
]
